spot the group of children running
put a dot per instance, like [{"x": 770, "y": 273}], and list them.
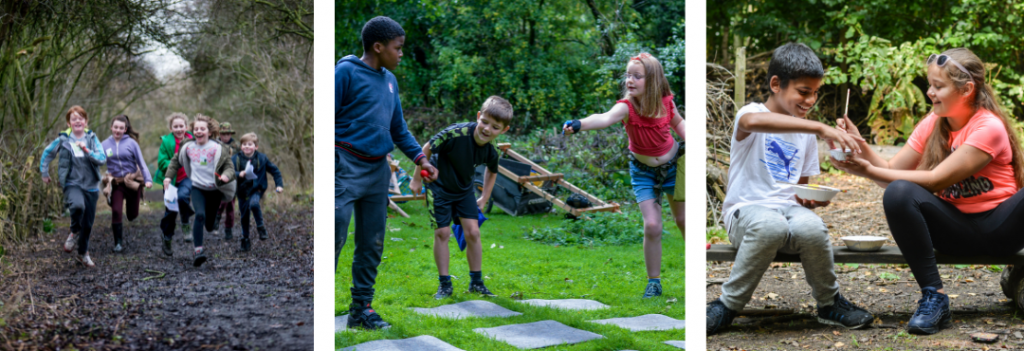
[
  {"x": 206, "y": 173},
  {"x": 953, "y": 187},
  {"x": 369, "y": 122}
]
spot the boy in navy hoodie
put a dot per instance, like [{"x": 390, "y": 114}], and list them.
[
  {"x": 368, "y": 122},
  {"x": 250, "y": 189}
]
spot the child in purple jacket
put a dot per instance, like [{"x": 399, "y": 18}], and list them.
[{"x": 124, "y": 159}]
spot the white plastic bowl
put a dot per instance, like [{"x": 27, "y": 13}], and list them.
[
  {"x": 816, "y": 193},
  {"x": 840, "y": 154},
  {"x": 864, "y": 243}
]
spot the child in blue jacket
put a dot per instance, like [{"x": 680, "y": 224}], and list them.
[{"x": 250, "y": 191}]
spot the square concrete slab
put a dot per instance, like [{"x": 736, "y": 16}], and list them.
[
  {"x": 538, "y": 334},
  {"x": 419, "y": 343},
  {"x": 645, "y": 322},
  {"x": 567, "y": 304},
  {"x": 677, "y": 343},
  {"x": 341, "y": 323},
  {"x": 472, "y": 308}
]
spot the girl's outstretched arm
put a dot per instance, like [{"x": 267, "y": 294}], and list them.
[
  {"x": 601, "y": 120},
  {"x": 962, "y": 163}
]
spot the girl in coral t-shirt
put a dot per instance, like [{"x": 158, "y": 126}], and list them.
[
  {"x": 953, "y": 187},
  {"x": 648, "y": 113}
]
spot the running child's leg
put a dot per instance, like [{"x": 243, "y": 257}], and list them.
[
  {"x": 185, "y": 200},
  {"x": 131, "y": 202},
  {"x": 201, "y": 203},
  {"x": 117, "y": 200},
  {"x": 243, "y": 208},
  {"x": 474, "y": 248},
  {"x": 89, "y": 199},
  {"x": 212, "y": 198},
  {"x": 229, "y": 214}
]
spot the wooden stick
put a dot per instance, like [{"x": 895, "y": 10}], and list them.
[
  {"x": 395, "y": 207},
  {"x": 847, "y": 109}
]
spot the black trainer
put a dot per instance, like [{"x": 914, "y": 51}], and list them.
[
  {"x": 366, "y": 318},
  {"x": 198, "y": 257},
  {"x": 263, "y": 232},
  {"x": 227, "y": 234},
  {"x": 443, "y": 291},
  {"x": 167, "y": 247},
  {"x": 246, "y": 244},
  {"x": 480, "y": 289},
  {"x": 844, "y": 313},
  {"x": 719, "y": 316},
  {"x": 932, "y": 314}
]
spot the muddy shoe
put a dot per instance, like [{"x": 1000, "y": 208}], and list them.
[
  {"x": 246, "y": 244},
  {"x": 366, "y": 318},
  {"x": 167, "y": 247},
  {"x": 186, "y": 232},
  {"x": 227, "y": 234},
  {"x": 844, "y": 313},
  {"x": 118, "y": 247},
  {"x": 263, "y": 232},
  {"x": 718, "y": 316},
  {"x": 653, "y": 289},
  {"x": 479, "y": 288},
  {"x": 443, "y": 291},
  {"x": 198, "y": 257},
  {"x": 932, "y": 313},
  {"x": 85, "y": 260},
  {"x": 71, "y": 242}
]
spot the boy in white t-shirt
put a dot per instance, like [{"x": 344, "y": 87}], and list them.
[{"x": 774, "y": 144}]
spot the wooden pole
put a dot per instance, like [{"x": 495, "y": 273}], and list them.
[{"x": 740, "y": 92}]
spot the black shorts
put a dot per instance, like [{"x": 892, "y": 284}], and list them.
[{"x": 446, "y": 208}]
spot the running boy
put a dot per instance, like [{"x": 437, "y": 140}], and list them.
[
  {"x": 457, "y": 151},
  {"x": 250, "y": 191},
  {"x": 78, "y": 173},
  {"x": 213, "y": 178},
  {"x": 774, "y": 144},
  {"x": 228, "y": 205},
  {"x": 368, "y": 123}
]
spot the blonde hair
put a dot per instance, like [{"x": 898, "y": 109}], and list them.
[
  {"x": 655, "y": 87},
  {"x": 211, "y": 125},
  {"x": 498, "y": 108},
  {"x": 247, "y": 137},
  {"x": 174, "y": 116},
  {"x": 936, "y": 147}
]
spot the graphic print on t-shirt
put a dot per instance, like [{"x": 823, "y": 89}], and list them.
[
  {"x": 970, "y": 187},
  {"x": 201, "y": 156},
  {"x": 778, "y": 157}
]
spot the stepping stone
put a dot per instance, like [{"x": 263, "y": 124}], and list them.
[
  {"x": 341, "y": 323},
  {"x": 677, "y": 343},
  {"x": 419, "y": 343},
  {"x": 471, "y": 308},
  {"x": 645, "y": 322},
  {"x": 567, "y": 304},
  {"x": 538, "y": 334}
]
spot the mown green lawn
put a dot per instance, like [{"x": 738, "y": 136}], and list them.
[{"x": 613, "y": 275}]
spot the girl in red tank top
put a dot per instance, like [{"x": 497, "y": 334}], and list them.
[{"x": 648, "y": 113}]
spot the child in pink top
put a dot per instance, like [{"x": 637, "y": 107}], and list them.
[
  {"x": 953, "y": 187},
  {"x": 648, "y": 113}
]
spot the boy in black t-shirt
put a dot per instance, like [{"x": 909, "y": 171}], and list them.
[{"x": 457, "y": 151}]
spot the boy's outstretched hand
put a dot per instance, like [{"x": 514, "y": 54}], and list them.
[
  {"x": 811, "y": 204},
  {"x": 845, "y": 140},
  {"x": 279, "y": 189}
]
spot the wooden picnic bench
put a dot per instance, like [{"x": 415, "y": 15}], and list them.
[{"x": 1011, "y": 281}]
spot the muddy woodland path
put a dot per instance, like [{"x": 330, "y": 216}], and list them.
[{"x": 142, "y": 299}]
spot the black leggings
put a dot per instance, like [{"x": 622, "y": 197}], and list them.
[{"x": 922, "y": 223}]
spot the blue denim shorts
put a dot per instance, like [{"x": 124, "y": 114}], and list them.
[{"x": 650, "y": 182}]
